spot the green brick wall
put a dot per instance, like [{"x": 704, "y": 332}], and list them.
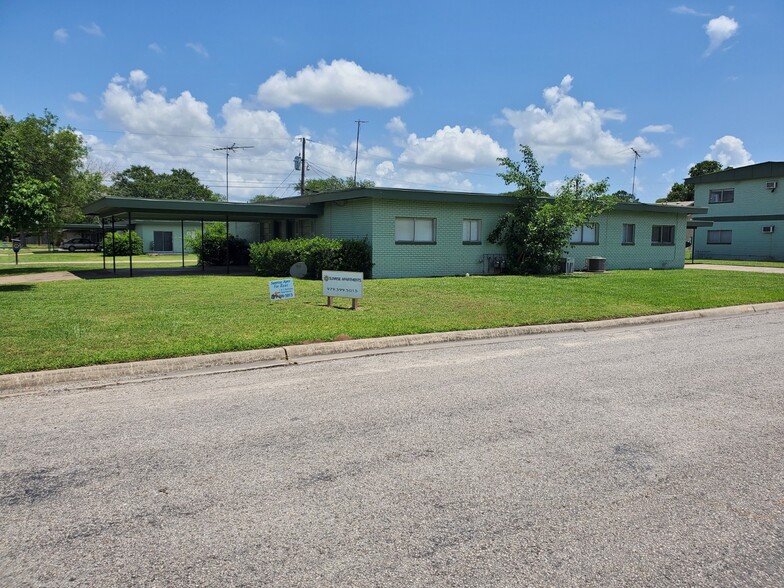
[
  {"x": 754, "y": 207},
  {"x": 349, "y": 219},
  {"x": 641, "y": 255},
  {"x": 448, "y": 256}
]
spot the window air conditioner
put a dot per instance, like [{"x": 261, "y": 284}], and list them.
[
  {"x": 771, "y": 185},
  {"x": 768, "y": 229}
]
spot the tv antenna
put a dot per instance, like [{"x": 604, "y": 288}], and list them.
[
  {"x": 634, "y": 175},
  {"x": 356, "y": 155},
  {"x": 233, "y": 149}
]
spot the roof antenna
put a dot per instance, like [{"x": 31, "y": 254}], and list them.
[
  {"x": 233, "y": 148},
  {"x": 356, "y": 156},
  {"x": 634, "y": 176}
]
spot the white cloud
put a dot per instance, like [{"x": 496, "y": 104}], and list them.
[
  {"x": 397, "y": 126},
  {"x": 452, "y": 148},
  {"x": 198, "y": 48},
  {"x": 77, "y": 97},
  {"x": 686, "y": 10},
  {"x": 3, "y": 111},
  {"x": 155, "y": 47},
  {"x": 379, "y": 152},
  {"x": 340, "y": 85},
  {"x": 657, "y": 129},
  {"x": 60, "y": 35},
  {"x": 566, "y": 125},
  {"x": 92, "y": 29},
  {"x": 719, "y": 30},
  {"x": 137, "y": 78},
  {"x": 730, "y": 151}
]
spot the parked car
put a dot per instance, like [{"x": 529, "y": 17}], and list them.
[{"x": 79, "y": 244}]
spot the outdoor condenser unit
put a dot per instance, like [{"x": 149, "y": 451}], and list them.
[{"x": 771, "y": 185}]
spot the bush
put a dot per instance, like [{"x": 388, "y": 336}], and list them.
[
  {"x": 275, "y": 258},
  {"x": 213, "y": 250},
  {"x": 116, "y": 244}
]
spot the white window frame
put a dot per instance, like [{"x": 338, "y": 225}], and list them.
[
  {"x": 472, "y": 231},
  {"x": 721, "y": 196},
  {"x": 625, "y": 237},
  {"x": 417, "y": 228},
  {"x": 659, "y": 239},
  {"x": 719, "y": 237},
  {"x": 579, "y": 234}
]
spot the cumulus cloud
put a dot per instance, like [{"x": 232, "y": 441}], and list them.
[
  {"x": 565, "y": 125},
  {"x": 452, "y": 148},
  {"x": 657, "y": 129},
  {"x": 339, "y": 85},
  {"x": 197, "y": 48},
  {"x": 77, "y": 97},
  {"x": 729, "y": 151},
  {"x": 92, "y": 29},
  {"x": 137, "y": 78},
  {"x": 719, "y": 30},
  {"x": 60, "y": 35},
  {"x": 397, "y": 126}
]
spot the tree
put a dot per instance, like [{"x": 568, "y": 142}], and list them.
[
  {"x": 683, "y": 192},
  {"x": 333, "y": 184},
  {"x": 140, "y": 181},
  {"x": 43, "y": 178},
  {"x": 261, "y": 198},
  {"x": 624, "y": 196},
  {"x": 538, "y": 229}
]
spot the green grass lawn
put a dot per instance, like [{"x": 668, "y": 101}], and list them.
[
  {"x": 75, "y": 323},
  {"x": 39, "y": 260}
]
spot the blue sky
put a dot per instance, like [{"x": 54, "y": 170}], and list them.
[{"x": 445, "y": 87}]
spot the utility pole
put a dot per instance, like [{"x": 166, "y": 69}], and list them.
[
  {"x": 233, "y": 148},
  {"x": 302, "y": 173},
  {"x": 634, "y": 176},
  {"x": 356, "y": 155}
]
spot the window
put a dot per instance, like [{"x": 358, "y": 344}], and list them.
[
  {"x": 587, "y": 234},
  {"x": 663, "y": 235},
  {"x": 720, "y": 237},
  {"x": 628, "y": 235},
  {"x": 721, "y": 196},
  {"x": 472, "y": 230},
  {"x": 267, "y": 231},
  {"x": 162, "y": 241},
  {"x": 304, "y": 228},
  {"x": 415, "y": 230}
]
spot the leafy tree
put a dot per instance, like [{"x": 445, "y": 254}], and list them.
[
  {"x": 212, "y": 250},
  {"x": 333, "y": 184},
  {"x": 624, "y": 196},
  {"x": 261, "y": 198},
  {"x": 538, "y": 229},
  {"x": 140, "y": 181},
  {"x": 683, "y": 192},
  {"x": 43, "y": 178},
  {"x": 120, "y": 243}
]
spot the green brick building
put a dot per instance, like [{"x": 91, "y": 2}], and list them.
[
  {"x": 746, "y": 207},
  {"x": 413, "y": 233}
]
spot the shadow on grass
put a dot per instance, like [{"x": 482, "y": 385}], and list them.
[
  {"x": 16, "y": 287},
  {"x": 147, "y": 272}
]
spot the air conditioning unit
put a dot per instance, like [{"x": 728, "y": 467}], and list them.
[
  {"x": 771, "y": 185},
  {"x": 768, "y": 229}
]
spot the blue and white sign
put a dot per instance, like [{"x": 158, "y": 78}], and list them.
[
  {"x": 341, "y": 284},
  {"x": 281, "y": 289}
]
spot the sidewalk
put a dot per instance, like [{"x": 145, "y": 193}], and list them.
[{"x": 735, "y": 268}]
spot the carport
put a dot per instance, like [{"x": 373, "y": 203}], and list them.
[{"x": 114, "y": 210}]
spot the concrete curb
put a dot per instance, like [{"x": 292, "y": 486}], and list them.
[{"x": 13, "y": 383}]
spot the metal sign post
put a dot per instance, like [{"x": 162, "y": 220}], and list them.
[{"x": 17, "y": 245}]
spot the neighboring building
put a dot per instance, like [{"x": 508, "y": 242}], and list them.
[
  {"x": 746, "y": 207},
  {"x": 413, "y": 233}
]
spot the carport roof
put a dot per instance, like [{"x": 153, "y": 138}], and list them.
[{"x": 152, "y": 209}]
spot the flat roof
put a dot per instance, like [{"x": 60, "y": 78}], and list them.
[
  {"x": 757, "y": 171},
  {"x": 403, "y": 194},
  {"x": 154, "y": 209}
]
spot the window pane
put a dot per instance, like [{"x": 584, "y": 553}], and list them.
[
  {"x": 628, "y": 234},
  {"x": 404, "y": 229},
  {"x": 589, "y": 234},
  {"x": 577, "y": 233},
  {"x": 471, "y": 230},
  {"x": 423, "y": 229}
]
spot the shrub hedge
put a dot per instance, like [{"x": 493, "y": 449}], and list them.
[
  {"x": 275, "y": 258},
  {"x": 116, "y": 244},
  {"x": 213, "y": 250}
]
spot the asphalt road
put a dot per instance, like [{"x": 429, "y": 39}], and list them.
[{"x": 644, "y": 456}]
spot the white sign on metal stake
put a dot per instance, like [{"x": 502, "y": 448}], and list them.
[
  {"x": 281, "y": 289},
  {"x": 341, "y": 284}
]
